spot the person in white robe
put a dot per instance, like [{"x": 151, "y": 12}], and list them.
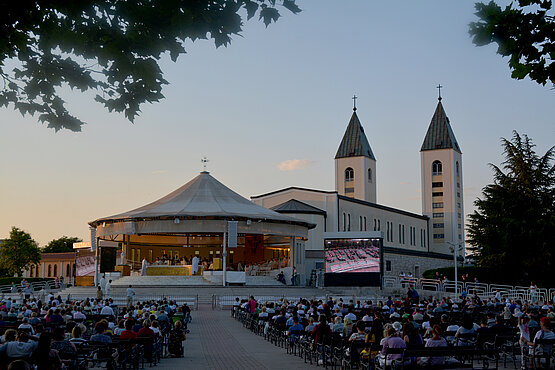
[
  {"x": 195, "y": 265},
  {"x": 143, "y": 267}
]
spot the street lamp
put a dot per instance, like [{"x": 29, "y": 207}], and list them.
[{"x": 455, "y": 249}]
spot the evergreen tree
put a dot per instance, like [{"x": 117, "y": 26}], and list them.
[
  {"x": 18, "y": 252},
  {"x": 513, "y": 227}
]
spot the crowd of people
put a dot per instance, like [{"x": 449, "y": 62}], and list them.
[
  {"x": 51, "y": 334},
  {"x": 412, "y": 322}
]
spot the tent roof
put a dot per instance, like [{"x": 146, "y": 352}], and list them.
[{"x": 203, "y": 196}]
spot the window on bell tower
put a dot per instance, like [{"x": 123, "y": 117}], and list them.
[
  {"x": 369, "y": 175},
  {"x": 437, "y": 168},
  {"x": 349, "y": 174}
]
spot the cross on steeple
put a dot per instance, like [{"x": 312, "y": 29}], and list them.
[
  {"x": 439, "y": 89},
  {"x": 204, "y": 161},
  {"x": 354, "y": 103}
]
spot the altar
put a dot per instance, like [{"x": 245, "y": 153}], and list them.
[{"x": 165, "y": 270}]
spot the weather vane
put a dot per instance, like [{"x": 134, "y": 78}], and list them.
[
  {"x": 354, "y": 102},
  {"x": 204, "y": 161},
  {"x": 439, "y": 89}
]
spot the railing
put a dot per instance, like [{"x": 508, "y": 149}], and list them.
[
  {"x": 47, "y": 285},
  {"x": 483, "y": 290}
]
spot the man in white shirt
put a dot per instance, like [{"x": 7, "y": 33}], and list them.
[
  {"x": 78, "y": 315},
  {"x": 103, "y": 283},
  {"x": 107, "y": 310},
  {"x": 351, "y": 316},
  {"x": 109, "y": 289},
  {"x": 130, "y": 294}
]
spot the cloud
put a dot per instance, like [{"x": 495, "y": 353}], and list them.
[{"x": 294, "y": 164}]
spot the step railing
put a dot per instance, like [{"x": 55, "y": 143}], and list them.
[{"x": 483, "y": 290}]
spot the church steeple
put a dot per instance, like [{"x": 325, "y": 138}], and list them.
[
  {"x": 440, "y": 135},
  {"x": 355, "y": 164},
  {"x": 354, "y": 143},
  {"x": 442, "y": 184}
]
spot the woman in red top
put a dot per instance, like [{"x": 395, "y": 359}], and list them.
[{"x": 128, "y": 333}]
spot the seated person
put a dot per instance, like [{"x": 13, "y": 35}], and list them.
[
  {"x": 21, "y": 348},
  {"x": 100, "y": 336},
  {"x": 281, "y": 277},
  {"x": 294, "y": 327},
  {"x": 436, "y": 341}
]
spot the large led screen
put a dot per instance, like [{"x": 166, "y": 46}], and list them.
[{"x": 352, "y": 255}]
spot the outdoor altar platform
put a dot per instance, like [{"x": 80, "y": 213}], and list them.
[{"x": 170, "y": 270}]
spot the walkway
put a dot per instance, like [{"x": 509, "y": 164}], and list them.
[{"x": 217, "y": 341}]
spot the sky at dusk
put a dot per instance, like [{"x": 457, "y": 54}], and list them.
[{"x": 269, "y": 112}]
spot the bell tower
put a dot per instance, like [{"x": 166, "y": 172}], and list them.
[
  {"x": 355, "y": 164},
  {"x": 442, "y": 184}
]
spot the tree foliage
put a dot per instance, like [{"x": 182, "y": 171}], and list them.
[
  {"x": 513, "y": 227},
  {"x": 61, "y": 245},
  {"x": 18, "y": 252},
  {"x": 110, "y": 46},
  {"x": 524, "y": 31}
]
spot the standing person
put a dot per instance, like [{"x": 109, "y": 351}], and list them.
[
  {"x": 252, "y": 305},
  {"x": 144, "y": 265},
  {"x": 103, "y": 283},
  {"x": 99, "y": 294},
  {"x": 524, "y": 341},
  {"x": 533, "y": 292},
  {"x": 109, "y": 289},
  {"x": 130, "y": 294},
  {"x": 194, "y": 268}
]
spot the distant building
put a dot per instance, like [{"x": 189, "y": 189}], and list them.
[{"x": 53, "y": 265}]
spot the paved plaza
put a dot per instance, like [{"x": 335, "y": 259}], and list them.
[{"x": 217, "y": 341}]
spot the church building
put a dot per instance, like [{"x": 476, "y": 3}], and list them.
[{"x": 412, "y": 243}]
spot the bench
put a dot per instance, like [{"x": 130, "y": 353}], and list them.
[{"x": 487, "y": 356}]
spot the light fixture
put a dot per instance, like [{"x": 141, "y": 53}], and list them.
[{"x": 176, "y": 221}]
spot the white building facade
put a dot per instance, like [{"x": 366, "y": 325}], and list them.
[{"x": 411, "y": 242}]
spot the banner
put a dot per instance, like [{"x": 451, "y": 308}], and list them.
[{"x": 232, "y": 234}]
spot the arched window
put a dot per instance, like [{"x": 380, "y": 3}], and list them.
[
  {"x": 68, "y": 267},
  {"x": 344, "y": 222},
  {"x": 55, "y": 270},
  {"x": 437, "y": 168},
  {"x": 457, "y": 167},
  {"x": 349, "y": 174},
  {"x": 49, "y": 270},
  {"x": 31, "y": 271},
  {"x": 369, "y": 175}
]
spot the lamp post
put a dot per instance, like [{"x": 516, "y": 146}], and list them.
[{"x": 455, "y": 248}]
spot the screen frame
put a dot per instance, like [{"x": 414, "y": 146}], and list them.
[{"x": 373, "y": 279}]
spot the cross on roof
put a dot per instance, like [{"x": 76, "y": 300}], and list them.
[
  {"x": 354, "y": 102},
  {"x": 439, "y": 89},
  {"x": 204, "y": 161}
]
